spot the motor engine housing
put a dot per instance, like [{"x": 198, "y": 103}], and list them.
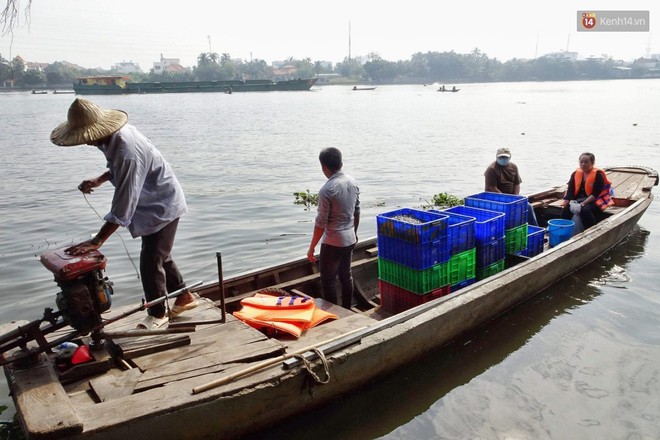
[{"x": 86, "y": 292}]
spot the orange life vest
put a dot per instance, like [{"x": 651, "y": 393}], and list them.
[
  {"x": 604, "y": 199},
  {"x": 288, "y": 314},
  {"x": 278, "y": 302}
]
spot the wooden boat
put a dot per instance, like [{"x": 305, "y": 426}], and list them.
[
  {"x": 356, "y": 88},
  {"x": 452, "y": 90},
  {"x": 63, "y": 92},
  {"x": 118, "y": 85},
  {"x": 39, "y": 92},
  {"x": 228, "y": 379}
]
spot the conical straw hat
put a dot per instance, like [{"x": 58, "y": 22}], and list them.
[{"x": 87, "y": 122}]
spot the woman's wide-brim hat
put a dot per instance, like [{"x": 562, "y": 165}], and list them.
[{"x": 87, "y": 122}]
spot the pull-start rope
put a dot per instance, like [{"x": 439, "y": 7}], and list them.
[{"x": 120, "y": 237}]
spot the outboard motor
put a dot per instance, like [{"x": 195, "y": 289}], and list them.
[{"x": 86, "y": 291}]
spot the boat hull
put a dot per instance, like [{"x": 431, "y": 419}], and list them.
[
  {"x": 373, "y": 347},
  {"x": 196, "y": 87}
]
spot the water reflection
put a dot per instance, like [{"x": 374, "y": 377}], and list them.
[{"x": 402, "y": 399}]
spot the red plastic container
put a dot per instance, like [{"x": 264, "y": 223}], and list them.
[{"x": 394, "y": 299}]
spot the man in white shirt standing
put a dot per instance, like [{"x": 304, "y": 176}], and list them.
[
  {"x": 337, "y": 221},
  {"x": 148, "y": 199}
]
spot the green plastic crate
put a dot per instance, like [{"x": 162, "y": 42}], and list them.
[
  {"x": 462, "y": 266},
  {"x": 515, "y": 239},
  {"x": 417, "y": 281},
  {"x": 487, "y": 271}
]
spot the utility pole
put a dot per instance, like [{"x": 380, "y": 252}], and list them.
[
  {"x": 349, "y": 40},
  {"x": 536, "y": 51},
  {"x": 210, "y": 51}
]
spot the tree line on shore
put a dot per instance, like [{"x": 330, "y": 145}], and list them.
[{"x": 429, "y": 67}]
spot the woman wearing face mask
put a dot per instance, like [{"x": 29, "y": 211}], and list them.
[
  {"x": 590, "y": 187},
  {"x": 502, "y": 176}
]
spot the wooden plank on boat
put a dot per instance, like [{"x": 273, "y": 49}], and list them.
[
  {"x": 131, "y": 348},
  {"x": 332, "y": 308},
  {"x": 629, "y": 183},
  {"x": 330, "y": 329},
  {"x": 222, "y": 352},
  {"x": 226, "y": 338},
  {"x": 115, "y": 386},
  {"x": 215, "y": 361},
  {"x": 50, "y": 414},
  {"x": 190, "y": 368}
]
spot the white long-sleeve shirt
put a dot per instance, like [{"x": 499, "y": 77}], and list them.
[
  {"x": 339, "y": 201},
  {"x": 147, "y": 195}
]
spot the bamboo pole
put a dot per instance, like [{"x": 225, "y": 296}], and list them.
[
  {"x": 265, "y": 364},
  {"x": 158, "y": 331}
]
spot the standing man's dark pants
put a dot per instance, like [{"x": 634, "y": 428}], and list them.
[
  {"x": 336, "y": 261},
  {"x": 157, "y": 269}
]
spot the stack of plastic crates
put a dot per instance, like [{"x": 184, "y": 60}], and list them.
[
  {"x": 462, "y": 261},
  {"x": 489, "y": 240},
  {"x": 535, "y": 239},
  {"x": 413, "y": 255},
  {"x": 514, "y": 208}
]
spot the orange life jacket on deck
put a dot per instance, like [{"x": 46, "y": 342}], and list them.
[
  {"x": 604, "y": 199},
  {"x": 279, "y": 302},
  {"x": 288, "y": 314}
]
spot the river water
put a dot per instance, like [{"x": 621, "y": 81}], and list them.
[{"x": 580, "y": 360}]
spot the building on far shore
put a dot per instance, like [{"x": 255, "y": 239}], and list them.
[
  {"x": 172, "y": 65},
  {"x": 127, "y": 67},
  {"x": 562, "y": 56}
]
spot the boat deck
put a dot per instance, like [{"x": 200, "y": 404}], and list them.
[{"x": 158, "y": 373}]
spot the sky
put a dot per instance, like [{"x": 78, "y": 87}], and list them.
[{"x": 94, "y": 33}]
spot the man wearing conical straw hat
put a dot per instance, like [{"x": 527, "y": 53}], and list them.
[{"x": 148, "y": 199}]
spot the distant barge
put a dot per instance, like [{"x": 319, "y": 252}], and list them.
[{"x": 118, "y": 85}]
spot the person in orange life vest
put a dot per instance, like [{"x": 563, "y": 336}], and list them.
[
  {"x": 337, "y": 222},
  {"x": 590, "y": 187},
  {"x": 502, "y": 176}
]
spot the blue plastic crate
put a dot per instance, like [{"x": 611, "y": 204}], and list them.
[
  {"x": 427, "y": 227},
  {"x": 416, "y": 256},
  {"x": 488, "y": 226},
  {"x": 489, "y": 253},
  {"x": 513, "y": 206},
  {"x": 464, "y": 283},
  {"x": 460, "y": 232},
  {"x": 535, "y": 238}
]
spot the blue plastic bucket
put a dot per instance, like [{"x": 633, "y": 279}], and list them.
[{"x": 559, "y": 230}]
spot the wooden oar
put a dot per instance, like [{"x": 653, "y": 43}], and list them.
[{"x": 265, "y": 364}]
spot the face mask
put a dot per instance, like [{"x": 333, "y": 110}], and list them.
[{"x": 502, "y": 161}]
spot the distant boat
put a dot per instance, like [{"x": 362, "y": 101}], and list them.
[
  {"x": 453, "y": 89},
  {"x": 356, "y": 88},
  {"x": 62, "y": 92},
  {"x": 119, "y": 85},
  {"x": 39, "y": 92}
]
